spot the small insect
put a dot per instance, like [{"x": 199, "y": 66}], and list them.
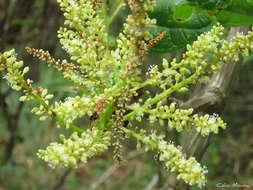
[
  {"x": 93, "y": 118},
  {"x": 39, "y": 90},
  {"x": 100, "y": 107}
]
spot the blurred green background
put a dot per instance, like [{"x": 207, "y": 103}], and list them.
[{"x": 34, "y": 23}]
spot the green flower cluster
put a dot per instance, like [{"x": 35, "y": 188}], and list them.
[
  {"x": 207, "y": 123},
  {"x": 73, "y": 108},
  {"x": 130, "y": 42},
  {"x": 76, "y": 148},
  {"x": 9, "y": 61},
  {"x": 109, "y": 80},
  {"x": 85, "y": 38},
  {"x": 189, "y": 169},
  {"x": 180, "y": 119},
  {"x": 201, "y": 58},
  {"x": 240, "y": 46},
  {"x": 15, "y": 77}
]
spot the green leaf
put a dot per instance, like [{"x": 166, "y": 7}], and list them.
[
  {"x": 237, "y": 13},
  {"x": 183, "y": 12},
  {"x": 105, "y": 115},
  {"x": 211, "y": 4},
  {"x": 184, "y": 20}
]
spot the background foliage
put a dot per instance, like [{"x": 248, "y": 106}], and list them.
[{"x": 34, "y": 23}]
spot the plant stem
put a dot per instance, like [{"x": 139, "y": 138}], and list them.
[
  {"x": 139, "y": 137},
  {"x": 120, "y": 6},
  {"x": 46, "y": 106},
  {"x": 162, "y": 95},
  {"x": 147, "y": 82},
  {"x": 166, "y": 93}
]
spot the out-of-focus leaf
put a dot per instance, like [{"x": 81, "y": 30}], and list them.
[{"x": 237, "y": 13}]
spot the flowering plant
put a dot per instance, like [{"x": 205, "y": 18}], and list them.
[{"x": 109, "y": 81}]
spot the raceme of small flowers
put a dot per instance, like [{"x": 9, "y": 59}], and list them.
[
  {"x": 9, "y": 62},
  {"x": 109, "y": 81},
  {"x": 180, "y": 119},
  {"x": 76, "y": 148},
  {"x": 189, "y": 169},
  {"x": 201, "y": 58},
  {"x": 73, "y": 108},
  {"x": 70, "y": 71}
]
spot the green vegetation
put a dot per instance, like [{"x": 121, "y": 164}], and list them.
[{"x": 110, "y": 97}]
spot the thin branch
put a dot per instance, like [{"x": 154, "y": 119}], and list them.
[
  {"x": 104, "y": 177},
  {"x": 62, "y": 179},
  {"x": 12, "y": 125},
  {"x": 112, "y": 169},
  {"x": 153, "y": 182},
  {"x": 119, "y": 7}
]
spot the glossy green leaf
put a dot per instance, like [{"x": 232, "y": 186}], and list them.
[
  {"x": 105, "y": 115},
  {"x": 184, "y": 20}
]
